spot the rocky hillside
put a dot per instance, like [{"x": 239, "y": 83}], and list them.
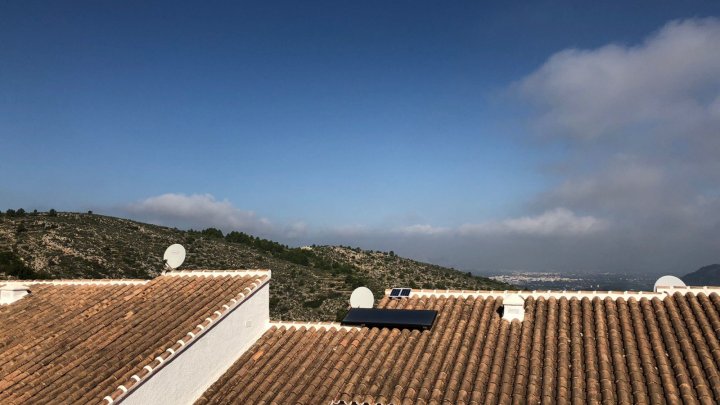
[{"x": 311, "y": 283}]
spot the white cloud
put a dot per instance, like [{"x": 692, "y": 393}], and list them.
[
  {"x": 556, "y": 222},
  {"x": 197, "y": 210},
  {"x": 422, "y": 229},
  {"x": 670, "y": 81}
]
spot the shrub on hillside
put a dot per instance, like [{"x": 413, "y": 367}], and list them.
[{"x": 11, "y": 265}]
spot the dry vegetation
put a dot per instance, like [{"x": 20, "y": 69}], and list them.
[{"x": 308, "y": 284}]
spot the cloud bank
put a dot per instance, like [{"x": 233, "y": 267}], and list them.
[
  {"x": 196, "y": 211},
  {"x": 642, "y": 130},
  {"x": 638, "y": 188},
  {"x": 556, "y": 222},
  {"x": 668, "y": 85}
]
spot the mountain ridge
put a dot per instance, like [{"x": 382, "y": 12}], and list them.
[
  {"x": 706, "y": 275},
  {"x": 310, "y": 283}
]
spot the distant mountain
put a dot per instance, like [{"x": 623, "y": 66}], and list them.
[
  {"x": 309, "y": 283},
  {"x": 708, "y": 275}
]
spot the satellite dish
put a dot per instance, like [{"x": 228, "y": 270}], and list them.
[
  {"x": 174, "y": 256},
  {"x": 362, "y": 297},
  {"x": 668, "y": 281}
]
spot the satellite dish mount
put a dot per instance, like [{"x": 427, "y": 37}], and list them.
[{"x": 174, "y": 257}]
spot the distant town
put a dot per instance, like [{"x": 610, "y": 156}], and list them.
[{"x": 575, "y": 281}]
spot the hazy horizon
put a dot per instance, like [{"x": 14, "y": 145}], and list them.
[{"x": 540, "y": 137}]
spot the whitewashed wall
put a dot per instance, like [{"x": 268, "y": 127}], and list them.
[{"x": 187, "y": 376}]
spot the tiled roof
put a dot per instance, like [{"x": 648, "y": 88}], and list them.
[
  {"x": 582, "y": 350},
  {"x": 77, "y": 341}
]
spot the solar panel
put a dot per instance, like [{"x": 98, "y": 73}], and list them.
[
  {"x": 390, "y": 318},
  {"x": 400, "y": 292}
]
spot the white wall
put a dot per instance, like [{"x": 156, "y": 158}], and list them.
[
  {"x": 186, "y": 376},
  {"x": 12, "y": 292}
]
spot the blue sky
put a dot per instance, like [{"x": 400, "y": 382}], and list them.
[{"x": 374, "y": 123}]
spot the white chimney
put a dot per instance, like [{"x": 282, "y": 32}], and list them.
[
  {"x": 10, "y": 293},
  {"x": 513, "y": 307}
]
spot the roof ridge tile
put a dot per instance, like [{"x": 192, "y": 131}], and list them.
[
  {"x": 216, "y": 273},
  {"x": 318, "y": 325},
  {"x": 78, "y": 281}
]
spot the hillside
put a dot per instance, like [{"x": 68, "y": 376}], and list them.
[
  {"x": 312, "y": 283},
  {"x": 707, "y": 275}
]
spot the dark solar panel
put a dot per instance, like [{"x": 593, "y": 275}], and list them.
[
  {"x": 390, "y": 318},
  {"x": 405, "y": 292},
  {"x": 395, "y": 292}
]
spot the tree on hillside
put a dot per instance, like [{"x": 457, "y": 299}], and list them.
[
  {"x": 239, "y": 237},
  {"x": 212, "y": 233}
]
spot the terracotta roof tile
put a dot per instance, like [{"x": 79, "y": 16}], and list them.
[
  {"x": 77, "y": 342},
  {"x": 599, "y": 349}
]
